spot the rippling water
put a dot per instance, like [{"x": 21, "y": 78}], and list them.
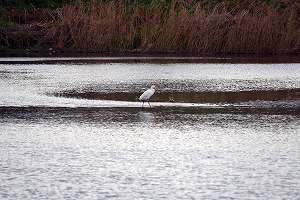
[{"x": 53, "y": 147}]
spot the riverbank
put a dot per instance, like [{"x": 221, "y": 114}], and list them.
[{"x": 260, "y": 27}]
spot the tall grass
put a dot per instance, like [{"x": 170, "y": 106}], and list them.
[{"x": 252, "y": 27}]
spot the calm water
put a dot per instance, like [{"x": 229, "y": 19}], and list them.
[{"x": 72, "y": 129}]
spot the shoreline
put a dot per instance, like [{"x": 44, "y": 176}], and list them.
[{"x": 129, "y": 57}]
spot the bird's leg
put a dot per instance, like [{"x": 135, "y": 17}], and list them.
[
  {"x": 143, "y": 104},
  {"x": 149, "y": 103}
]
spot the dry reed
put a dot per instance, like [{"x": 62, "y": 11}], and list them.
[{"x": 111, "y": 26}]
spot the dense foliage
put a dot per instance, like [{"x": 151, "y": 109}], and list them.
[{"x": 203, "y": 26}]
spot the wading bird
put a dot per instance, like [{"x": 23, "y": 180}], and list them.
[{"x": 147, "y": 95}]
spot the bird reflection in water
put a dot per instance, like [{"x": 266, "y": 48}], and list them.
[{"x": 146, "y": 116}]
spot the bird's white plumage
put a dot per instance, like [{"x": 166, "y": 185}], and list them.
[{"x": 147, "y": 94}]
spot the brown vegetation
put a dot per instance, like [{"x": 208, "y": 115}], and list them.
[
  {"x": 22, "y": 30},
  {"x": 21, "y": 37},
  {"x": 182, "y": 26},
  {"x": 255, "y": 28}
]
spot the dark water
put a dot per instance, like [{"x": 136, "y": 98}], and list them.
[
  {"x": 193, "y": 97},
  {"x": 71, "y": 128}
]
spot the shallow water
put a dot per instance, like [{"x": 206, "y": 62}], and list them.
[
  {"x": 59, "y": 142},
  {"x": 38, "y": 81}
]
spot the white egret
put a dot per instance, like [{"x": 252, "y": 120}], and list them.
[{"x": 147, "y": 95}]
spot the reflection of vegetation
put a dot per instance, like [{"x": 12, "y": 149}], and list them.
[{"x": 261, "y": 26}]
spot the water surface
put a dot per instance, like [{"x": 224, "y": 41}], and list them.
[{"x": 71, "y": 128}]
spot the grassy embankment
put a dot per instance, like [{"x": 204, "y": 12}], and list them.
[{"x": 228, "y": 26}]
